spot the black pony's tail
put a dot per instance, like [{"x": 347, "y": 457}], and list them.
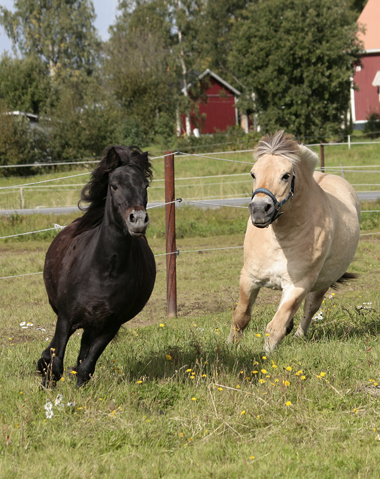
[{"x": 344, "y": 279}]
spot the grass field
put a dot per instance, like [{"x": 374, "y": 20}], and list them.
[
  {"x": 169, "y": 397},
  {"x": 197, "y": 177}
]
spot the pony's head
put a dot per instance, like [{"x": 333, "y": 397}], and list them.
[
  {"x": 274, "y": 178},
  {"x": 123, "y": 175}
]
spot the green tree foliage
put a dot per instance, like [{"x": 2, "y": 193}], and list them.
[
  {"x": 137, "y": 66},
  {"x": 24, "y": 84},
  {"x": 20, "y": 143},
  {"x": 83, "y": 122},
  {"x": 297, "y": 57},
  {"x": 60, "y": 32}
]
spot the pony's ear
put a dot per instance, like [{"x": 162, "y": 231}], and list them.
[{"x": 113, "y": 159}]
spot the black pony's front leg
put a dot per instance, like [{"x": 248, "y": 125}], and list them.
[
  {"x": 50, "y": 365},
  {"x": 86, "y": 368}
]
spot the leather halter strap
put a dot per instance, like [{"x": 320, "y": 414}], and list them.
[{"x": 277, "y": 204}]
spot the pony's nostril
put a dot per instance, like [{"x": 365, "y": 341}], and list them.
[
  {"x": 132, "y": 218},
  {"x": 267, "y": 208},
  {"x": 146, "y": 219}
]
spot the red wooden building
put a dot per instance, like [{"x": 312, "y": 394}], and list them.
[
  {"x": 365, "y": 96},
  {"x": 216, "y": 109}
]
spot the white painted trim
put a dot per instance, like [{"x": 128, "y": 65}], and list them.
[
  {"x": 352, "y": 100},
  {"x": 217, "y": 77}
]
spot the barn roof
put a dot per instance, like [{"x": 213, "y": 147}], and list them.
[
  {"x": 217, "y": 78},
  {"x": 370, "y": 19}
]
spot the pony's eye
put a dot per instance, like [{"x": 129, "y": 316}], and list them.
[
  {"x": 286, "y": 176},
  {"x": 114, "y": 187}
]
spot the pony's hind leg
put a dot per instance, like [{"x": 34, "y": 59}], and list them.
[
  {"x": 242, "y": 314},
  {"x": 87, "y": 338},
  {"x": 50, "y": 365},
  {"x": 87, "y": 367},
  {"x": 312, "y": 304}
]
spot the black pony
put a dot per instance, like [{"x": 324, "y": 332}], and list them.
[{"x": 99, "y": 271}]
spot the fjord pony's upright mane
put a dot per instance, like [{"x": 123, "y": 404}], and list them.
[
  {"x": 284, "y": 145},
  {"x": 95, "y": 192}
]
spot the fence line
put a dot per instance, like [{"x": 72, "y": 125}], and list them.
[
  {"x": 213, "y": 158},
  {"x": 177, "y": 253},
  {"x": 43, "y": 181}
]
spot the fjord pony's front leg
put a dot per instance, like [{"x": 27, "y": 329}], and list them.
[
  {"x": 277, "y": 328},
  {"x": 242, "y": 314}
]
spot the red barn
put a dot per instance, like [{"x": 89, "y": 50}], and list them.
[
  {"x": 365, "y": 96},
  {"x": 216, "y": 107}
]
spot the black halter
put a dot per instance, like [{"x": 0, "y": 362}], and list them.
[{"x": 277, "y": 204}]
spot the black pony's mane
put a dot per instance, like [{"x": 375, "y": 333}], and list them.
[{"x": 95, "y": 192}]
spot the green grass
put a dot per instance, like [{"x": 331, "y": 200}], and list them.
[{"x": 144, "y": 414}]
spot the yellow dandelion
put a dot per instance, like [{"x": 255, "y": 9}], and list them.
[
  {"x": 168, "y": 357},
  {"x": 288, "y": 403},
  {"x": 204, "y": 375},
  {"x": 355, "y": 410},
  {"x": 243, "y": 412},
  {"x": 288, "y": 368},
  {"x": 193, "y": 399},
  {"x": 252, "y": 457},
  {"x": 274, "y": 366},
  {"x": 267, "y": 334},
  {"x": 162, "y": 325},
  {"x": 62, "y": 378},
  {"x": 264, "y": 371},
  {"x": 194, "y": 325},
  {"x": 322, "y": 374},
  {"x": 264, "y": 357},
  {"x": 181, "y": 434},
  {"x": 276, "y": 380},
  {"x": 262, "y": 381},
  {"x": 298, "y": 373},
  {"x": 255, "y": 372},
  {"x": 303, "y": 378},
  {"x": 238, "y": 387},
  {"x": 247, "y": 379},
  {"x": 73, "y": 372},
  {"x": 255, "y": 363},
  {"x": 258, "y": 335},
  {"x": 287, "y": 383},
  {"x": 139, "y": 382},
  {"x": 188, "y": 370}
]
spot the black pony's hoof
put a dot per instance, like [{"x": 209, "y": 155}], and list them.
[{"x": 290, "y": 327}]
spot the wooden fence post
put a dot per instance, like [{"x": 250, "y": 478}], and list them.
[
  {"x": 322, "y": 155},
  {"x": 171, "y": 257}
]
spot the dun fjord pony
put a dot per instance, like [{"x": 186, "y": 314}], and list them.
[
  {"x": 301, "y": 237},
  {"x": 99, "y": 271}
]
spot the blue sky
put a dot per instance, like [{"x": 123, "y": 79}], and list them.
[{"x": 105, "y": 16}]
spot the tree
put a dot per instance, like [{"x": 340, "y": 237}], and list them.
[
  {"x": 138, "y": 67},
  {"x": 297, "y": 57},
  {"x": 24, "y": 84},
  {"x": 60, "y": 32}
]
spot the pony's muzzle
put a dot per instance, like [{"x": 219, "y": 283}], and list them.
[
  {"x": 137, "y": 220},
  {"x": 261, "y": 209}
]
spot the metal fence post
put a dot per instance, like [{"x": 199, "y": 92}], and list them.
[
  {"x": 322, "y": 155},
  {"x": 171, "y": 259}
]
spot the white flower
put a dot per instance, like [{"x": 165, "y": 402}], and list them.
[
  {"x": 49, "y": 414},
  {"x": 29, "y": 324},
  {"x": 47, "y": 339},
  {"x": 58, "y": 399},
  {"x": 71, "y": 404},
  {"x": 48, "y": 406},
  {"x": 23, "y": 324}
]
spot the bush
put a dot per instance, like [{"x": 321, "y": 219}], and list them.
[{"x": 372, "y": 127}]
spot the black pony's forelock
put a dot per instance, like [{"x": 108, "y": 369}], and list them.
[{"x": 95, "y": 192}]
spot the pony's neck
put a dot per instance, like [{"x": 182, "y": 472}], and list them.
[{"x": 112, "y": 235}]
